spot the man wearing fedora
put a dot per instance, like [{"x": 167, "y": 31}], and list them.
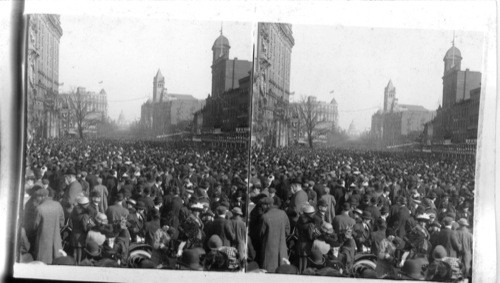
[
  {"x": 239, "y": 231},
  {"x": 117, "y": 212},
  {"x": 272, "y": 236},
  {"x": 49, "y": 218},
  {"x": 103, "y": 191},
  {"x": 464, "y": 237},
  {"x": 73, "y": 190}
]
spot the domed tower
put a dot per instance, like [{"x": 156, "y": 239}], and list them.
[
  {"x": 452, "y": 59},
  {"x": 220, "y": 48}
]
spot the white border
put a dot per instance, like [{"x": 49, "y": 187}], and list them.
[{"x": 450, "y": 15}]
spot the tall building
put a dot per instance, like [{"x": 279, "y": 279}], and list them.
[
  {"x": 168, "y": 113},
  {"x": 398, "y": 123},
  {"x": 225, "y": 116},
  {"x": 271, "y": 93},
  {"x": 456, "y": 120},
  {"x": 44, "y": 35}
]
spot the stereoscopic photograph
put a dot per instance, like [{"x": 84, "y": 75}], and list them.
[
  {"x": 248, "y": 142},
  {"x": 137, "y": 138},
  {"x": 363, "y": 151}
]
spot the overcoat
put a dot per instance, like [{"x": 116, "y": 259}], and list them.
[
  {"x": 275, "y": 227},
  {"x": 48, "y": 222}
]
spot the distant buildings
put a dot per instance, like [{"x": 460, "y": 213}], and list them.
[
  {"x": 167, "y": 113},
  {"x": 270, "y": 117},
  {"x": 44, "y": 35},
  {"x": 398, "y": 123},
  {"x": 326, "y": 115},
  {"x": 92, "y": 106},
  {"x": 456, "y": 120}
]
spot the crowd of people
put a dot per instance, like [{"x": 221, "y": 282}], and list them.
[
  {"x": 179, "y": 205},
  {"x": 363, "y": 214},
  {"x": 135, "y": 204}
]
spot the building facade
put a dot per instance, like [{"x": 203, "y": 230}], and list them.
[
  {"x": 398, "y": 123},
  {"x": 271, "y": 85},
  {"x": 93, "y": 105},
  {"x": 168, "y": 113},
  {"x": 326, "y": 115},
  {"x": 44, "y": 35},
  {"x": 456, "y": 120},
  {"x": 225, "y": 119}
]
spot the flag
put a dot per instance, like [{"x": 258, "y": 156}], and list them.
[
  {"x": 100, "y": 82},
  {"x": 331, "y": 91}
]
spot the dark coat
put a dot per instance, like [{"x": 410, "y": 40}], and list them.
[
  {"x": 341, "y": 222},
  {"x": 273, "y": 232},
  {"x": 116, "y": 212},
  {"x": 49, "y": 219},
  {"x": 448, "y": 239}
]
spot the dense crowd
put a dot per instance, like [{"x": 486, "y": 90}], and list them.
[
  {"x": 179, "y": 205},
  {"x": 135, "y": 204},
  {"x": 361, "y": 214}
]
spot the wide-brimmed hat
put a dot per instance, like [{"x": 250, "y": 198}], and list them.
[
  {"x": 308, "y": 209},
  {"x": 423, "y": 217},
  {"x": 191, "y": 259},
  {"x": 412, "y": 269},
  {"x": 358, "y": 211},
  {"x": 82, "y": 200},
  {"x": 463, "y": 222},
  {"x": 215, "y": 242},
  {"x": 197, "y": 206},
  {"x": 92, "y": 249},
  {"x": 132, "y": 202},
  {"x": 221, "y": 210},
  {"x": 439, "y": 252},
  {"x": 327, "y": 228},
  {"x": 316, "y": 257},
  {"x": 70, "y": 171}
]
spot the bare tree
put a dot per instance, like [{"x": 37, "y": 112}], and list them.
[
  {"x": 83, "y": 111},
  {"x": 309, "y": 119}
]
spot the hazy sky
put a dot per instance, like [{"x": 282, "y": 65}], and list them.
[
  {"x": 358, "y": 62},
  {"x": 126, "y": 53}
]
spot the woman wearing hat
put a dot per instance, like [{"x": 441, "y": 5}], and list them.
[
  {"x": 191, "y": 230},
  {"x": 82, "y": 223}
]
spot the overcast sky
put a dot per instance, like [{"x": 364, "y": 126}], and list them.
[
  {"x": 126, "y": 53},
  {"x": 358, "y": 62}
]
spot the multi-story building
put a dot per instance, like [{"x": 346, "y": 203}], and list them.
[
  {"x": 44, "y": 35},
  {"x": 271, "y": 89},
  {"x": 93, "y": 107},
  {"x": 168, "y": 113},
  {"x": 398, "y": 123},
  {"x": 325, "y": 115},
  {"x": 225, "y": 117},
  {"x": 456, "y": 120}
]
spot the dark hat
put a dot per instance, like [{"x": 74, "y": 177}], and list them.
[
  {"x": 146, "y": 263},
  {"x": 447, "y": 221},
  {"x": 221, "y": 210},
  {"x": 439, "y": 252},
  {"x": 41, "y": 193},
  {"x": 272, "y": 190},
  {"x": 412, "y": 269},
  {"x": 346, "y": 206},
  {"x": 70, "y": 171},
  {"x": 155, "y": 214},
  {"x": 287, "y": 269},
  {"x": 266, "y": 200},
  {"x": 237, "y": 211},
  {"x": 140, "y": 205},
  {"x": 367, "y": 215},
  {"x": 191, "y": 259},
  {"x": 432, "y": 195},
  {"x": 92, "y": 249},
  {"x": 45, "y": 181},
  {"x": 354, "y": 201},
  {"x": 158, "y": 200},
  {"x": 95, "y": 194},
  {"x": 402, "y": 200},
  {"x": 215, "y": 242},
  {"x": 329, "y": 271},
  {"x": 316, "y": 257},
  {"x": 384, "y": 210},
  {"x": 119, "y": 197}
]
